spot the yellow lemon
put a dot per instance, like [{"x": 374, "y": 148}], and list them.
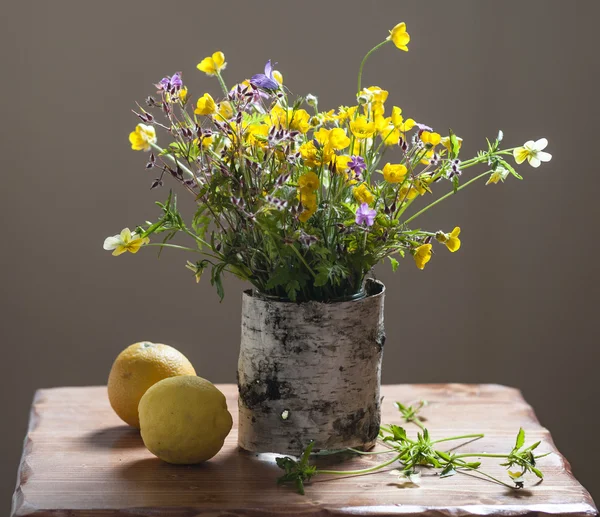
[
  {"x": 184, "y": 420},
  {"x": 137, "y": 368}
]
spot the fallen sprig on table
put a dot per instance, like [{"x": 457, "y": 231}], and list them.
[{"x": 420, "y": 452}]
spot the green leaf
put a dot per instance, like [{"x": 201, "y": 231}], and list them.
[
  {"x": 510, "y": 168},
  {"x": 520, "y": 439},
  {"x": 454, "y": 144},
  {"x": 537, "y": 472},
  {"x": 444, "y": 455},
  {"x": 448, "y": 471},
  {"x": 394, "y": 263},
  {"x": 455, "y": 183}
]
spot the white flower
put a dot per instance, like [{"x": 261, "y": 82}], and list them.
[
  {"x": 533, "y": 152},
  {"x": 125, "y": 241}
]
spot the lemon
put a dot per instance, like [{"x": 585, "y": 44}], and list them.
[
  {"x": 137, "y": 368},
  {"x": 184, "y": 420}
]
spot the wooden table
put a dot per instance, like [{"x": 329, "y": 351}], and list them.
[{"x": 79, "y": 460}]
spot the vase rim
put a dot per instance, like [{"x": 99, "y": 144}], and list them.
[{"x": 371, "y": 288}]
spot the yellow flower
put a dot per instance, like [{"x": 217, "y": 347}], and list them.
[
  {"x": 256, "y": 134},
  {"x": 363, "y": 195},
  {"x": 306, "y": 213},
  {"x": 308, "y": 182},
  {"x": 205, "y": 105},
  {"x": 533, "y": 152},
  {"x": 379, "y": 95},
  {"x": 308, "y": 151},
  {"x": 397, "y": 116},
  {"x": 278, "y": 77},
  {"x": 453, "y": 242},
  {"x": 446, "y": 142},
  {"x": 225, "y": 110},
  {"x": 399, "y": 36},
  {"x": 338, "y": 139},
  {"x": 422, "y": 255},
  {"x": 389, "y": 134},
  {"x": 399, "y": 122},
  {"x": 334, "y": 139},
  {"x": 341, "y": 163},
  {"x": 346, "y": 113},
  {"x": 309, "y": 205},
  {"x": 394, "y": 173},
  {"x": 125, "y": 241},
  {"x": 278, "y": 116},
  {"x": 299, "y": 120},
  {"x": 142, "y": 137},
  {"x": 361, "y": 127},
  {"x": 206, "y": 141},
  {"x": 428, "y": 137},
  {"x": 212, "y": 65},
  {"x": 419, "y": 187},
  {"x": 500, "y": 174}
]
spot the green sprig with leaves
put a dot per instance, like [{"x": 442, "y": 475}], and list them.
[{"x": 412, "y": 454}]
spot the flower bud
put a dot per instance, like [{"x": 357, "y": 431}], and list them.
[{"x": 312, "y": 100}]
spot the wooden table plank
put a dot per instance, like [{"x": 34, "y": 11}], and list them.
[{"x": 79, "y": 461}]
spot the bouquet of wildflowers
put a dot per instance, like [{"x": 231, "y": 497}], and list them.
[{"x": 300, "y": 201}]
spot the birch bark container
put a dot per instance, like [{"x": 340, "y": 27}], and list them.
[{"x": 310, "y": 372}]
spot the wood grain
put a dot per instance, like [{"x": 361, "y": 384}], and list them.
[{"x": 79, "y": 460}]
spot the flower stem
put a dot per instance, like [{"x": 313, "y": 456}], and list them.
[
  {"x": 462, "y": 437},
  {"x": 431, "y": 205},
  {"x": 165, "y": 245},
  {"x": 222, "y": 83},
  {"x": 362, "y": 64},
  {"x": 303, "y": 260},
  {"x": 175, "y": 161},
  {"x": 361, "y": 471},
  {"x": 480, "y": 455}
]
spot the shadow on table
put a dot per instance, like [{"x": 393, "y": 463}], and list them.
[
  {"x": 117, "y": 437},
  {"x": 229, "y": 475}
]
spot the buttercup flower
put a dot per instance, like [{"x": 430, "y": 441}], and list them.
[
  {"x": 308, "y": 182},
  {"x": 225, "y": 110},
  {"x": 361, "y": 127},
  {"x": 399, "y": 36},
  {"x": 533, "y": 152},
  {"x": 205, "y": 105},
  {"x": 142, "y": 137},
  {"x": 125, "y": 241},
  {"x": 422, "y": 255},
  {"x": 213, "y": 64},
  {"x": 362, "y": 194},
  {"x": 266, "y": 81},
  {"x": 394, "y": 173},
  {"x": 365, "y": 215},
  {"x": 300, "y": 121},
  {"x": 428, "y": 137},
  {"x": 451, "y": 240}
]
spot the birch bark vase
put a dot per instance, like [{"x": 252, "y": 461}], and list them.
[{"x": 310, "y": 372}]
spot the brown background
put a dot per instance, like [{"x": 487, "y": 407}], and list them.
[{"x": 517, "y": 305}]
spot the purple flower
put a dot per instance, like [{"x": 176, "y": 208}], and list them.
[
  {"x": 365, "y": 215},
  {"x": 171, "y": 84},
  {"x": 357, "y": 165},
  {"x": 265, "y": 81}
]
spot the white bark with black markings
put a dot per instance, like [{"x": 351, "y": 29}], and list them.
[{"x": 310, "y": 372}]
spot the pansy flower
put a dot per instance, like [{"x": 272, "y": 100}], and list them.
[
  {"x": 266, "y": 81},
  {"x": 365, "y": 215}
]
